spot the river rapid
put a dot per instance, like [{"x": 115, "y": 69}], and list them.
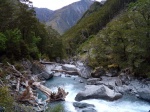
[{"x": 73, "y": 86}]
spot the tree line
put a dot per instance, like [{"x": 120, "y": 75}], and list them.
[{"x": 23, "y": 36}]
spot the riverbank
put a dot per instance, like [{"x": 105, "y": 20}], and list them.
[{"x": 77, "y": 79}]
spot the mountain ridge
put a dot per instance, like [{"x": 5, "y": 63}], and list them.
[{"x": 63, "y": 19}]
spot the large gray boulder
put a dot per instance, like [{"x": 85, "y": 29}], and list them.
[
  {"x": 98, "y": 92},
  {"x": 144, "y": 94},
  {"x": 39, "y": 70},
  {"x": 83, "y": 70}
]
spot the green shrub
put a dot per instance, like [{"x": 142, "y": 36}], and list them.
[{"x": 6, "y": 99}]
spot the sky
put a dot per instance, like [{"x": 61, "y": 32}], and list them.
[{"x": 52, "y": 4}]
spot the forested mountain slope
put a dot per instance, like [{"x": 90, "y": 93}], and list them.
[
  {"x": 91, "y": 25},
  {"x": 123, "y": 42}
]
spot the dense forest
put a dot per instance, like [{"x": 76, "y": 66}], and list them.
[
  {"x": 23, "y": 36},
  {"x": 118, "y": 33}
]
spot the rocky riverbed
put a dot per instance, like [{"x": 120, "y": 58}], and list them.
[
  {"x": 105, "y": 86},
  {"x": 88, "y": 89}
]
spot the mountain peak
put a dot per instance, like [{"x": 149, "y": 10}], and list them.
[{"x": 66, "y": 17}]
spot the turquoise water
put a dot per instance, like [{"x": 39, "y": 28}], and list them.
[{"x": 126, "y": 104}]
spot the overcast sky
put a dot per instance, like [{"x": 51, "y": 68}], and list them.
[{"x": 52, "y": 4}]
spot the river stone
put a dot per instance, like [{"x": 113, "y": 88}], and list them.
[
  {"x": 39, "y": 70},
  {"x": 84, "y": 72},
  {"x": 144, "y": 94},
  {"x": 98, "y": 92},
  {"x": 82, "y": 105},
  {"x": 93, "y": 81},
  {"x": 69, "y": 67},
  {"x": 88, "y": 110}
]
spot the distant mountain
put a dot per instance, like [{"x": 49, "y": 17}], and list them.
[
  {"x": 93, "y": 8},
  {"x": 64, "y": 18},
  {"x": 43, "y": 14}
]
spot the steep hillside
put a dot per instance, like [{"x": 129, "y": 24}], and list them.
[
  {"x": 90, "y": 25},
  {"x": 43, "y": 14},
  {"x": 66, "y": 17},
  {"x": 93, "y": 8}
]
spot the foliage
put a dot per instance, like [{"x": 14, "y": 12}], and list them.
[
  {"x": 125, "y": 40},
  {"x": 22, "y": 35},
  {"x": 91, "y": 25},
  {"x": 6, "y": 99}
]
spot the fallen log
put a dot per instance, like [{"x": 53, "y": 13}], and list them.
[
  {"x": 67, "y": 72},
  {"x": 28, "y": 96},
  {"x": 51, "y": 96},
  {"x": 42, "y": 62},
  {"x": 13, "y": 67},
  {"x": 18, "y": 84}
]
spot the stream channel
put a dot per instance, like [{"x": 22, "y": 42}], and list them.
[{"x": 73, "y": 86}]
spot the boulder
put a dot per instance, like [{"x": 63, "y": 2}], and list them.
[
  {"x": 144, "y": 94},
  {"x": 88, "y": 110},
  {"x": 82, "y": 105},
  {"x": 83, "y": 70},
  {"x": 39, "y": 70},
  {"x": 93, "y": 81},
  {"x": 98, "y": 72},
  {"x": 69, "y": 67},
  {"x": 98, "y": 92}
]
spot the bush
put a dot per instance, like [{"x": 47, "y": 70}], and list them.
[{"x": 6, "y": 99}]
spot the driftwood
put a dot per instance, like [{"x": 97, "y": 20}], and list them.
[
  {"x": 13, "y": 67},
  {"x": 68, "y": 72},
  {"x": 1, "y": 83},
  {"x": 51, "y": 96},
  {"x": 42, "y": 62},
  {"x": 18, "y": 84},
  {"x": 28, "y": 95}
]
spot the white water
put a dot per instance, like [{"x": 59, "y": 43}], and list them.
[
  {"x": 122, "y": 105},
  {"x": 126, "y": 104}
]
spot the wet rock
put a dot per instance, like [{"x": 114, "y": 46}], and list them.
[
  {"x": 124, "y": 78},
  {"x": 69, "y": 67},
  {"x": 98, "y": 92},
  {"x": 82, "y": 105},
  {"x": 144, "y": 94},
  {"x": 2, "y": 109},
  {"x": 99, "y": 71},
  {"x": 83, "y": 70},
  {"x": 39, "y": 70},
  {"x": 88, "y": 110},
  {"x": 93, "y": 81}
]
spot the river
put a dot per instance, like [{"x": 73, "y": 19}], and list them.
[{"x": 73, "y": 86}]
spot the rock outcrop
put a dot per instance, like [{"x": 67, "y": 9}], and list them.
[
  {"x": 98, "y": 72},
  {"x": 39, "y": 70},
  {"x": 98, "y": 92}
]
